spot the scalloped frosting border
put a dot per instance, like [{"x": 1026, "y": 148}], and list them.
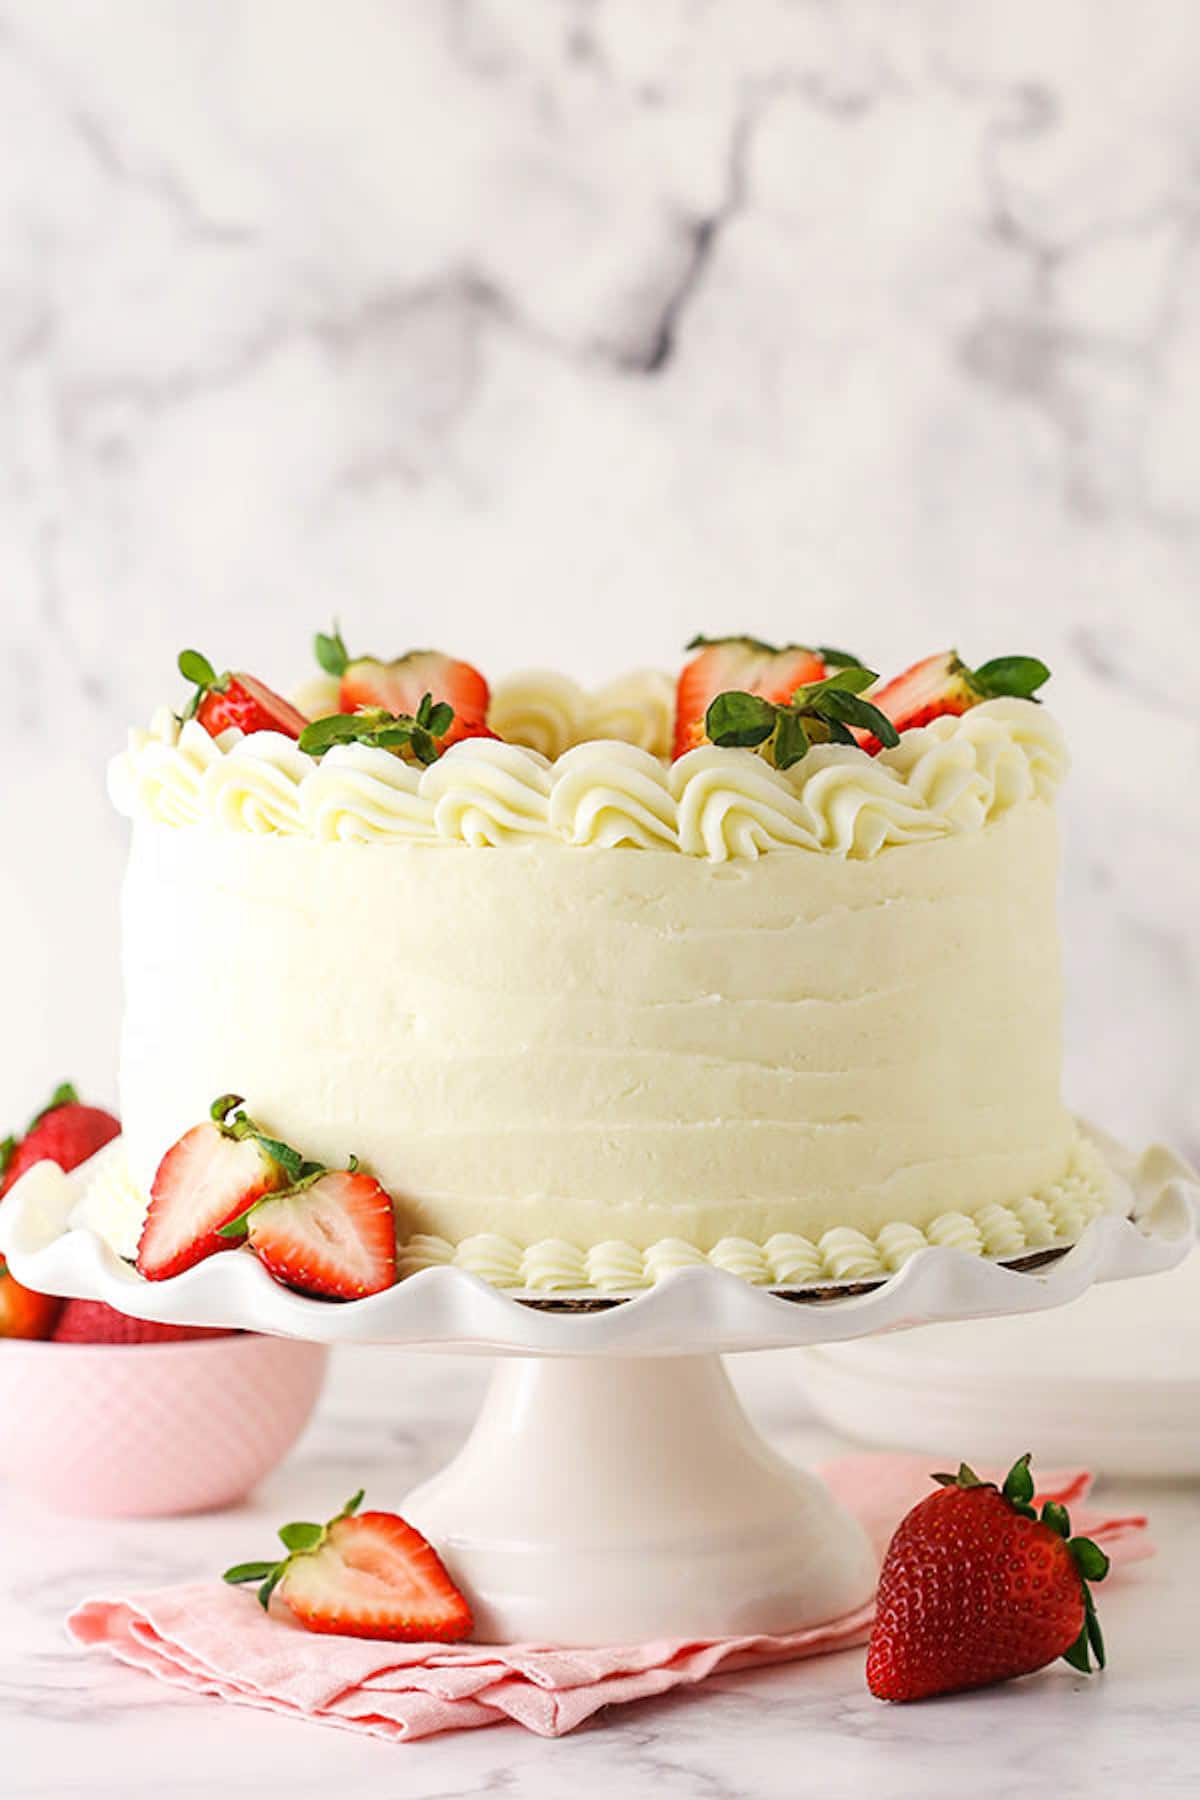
[
  {"x": 954, "y": 775},
  {"x": 114, "y": 1207}
]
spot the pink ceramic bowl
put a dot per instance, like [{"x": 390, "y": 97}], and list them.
[{"x": 112, "y": 1430}]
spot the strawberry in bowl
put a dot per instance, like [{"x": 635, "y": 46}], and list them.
[{"x": 105, "y": 1415}]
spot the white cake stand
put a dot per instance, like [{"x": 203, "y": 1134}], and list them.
[{"x": 612, "y": 1489}]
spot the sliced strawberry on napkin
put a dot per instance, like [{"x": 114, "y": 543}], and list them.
[
  {"x": 209, "y": 1177},
  {"x": 235, "y": 698},
  {"x": 366, "y": 1575}
]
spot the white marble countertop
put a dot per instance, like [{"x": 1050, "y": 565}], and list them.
[{"x": 72, "y": 1725}]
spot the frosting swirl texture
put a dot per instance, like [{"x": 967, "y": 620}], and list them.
[{"x": 949, "y": 777}]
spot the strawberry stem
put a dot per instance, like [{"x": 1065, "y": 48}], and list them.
[
  {"x": 414, "y": 737},
  {"x": 240, "y": 1125},
  {"x": 299, "y": 1539},
  {"x": 199, "y": 671}
]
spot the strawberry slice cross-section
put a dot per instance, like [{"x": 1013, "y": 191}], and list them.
[
  {"x": 332, "y": 1234},
  {"x": 365, "y": 1575},
  {"x": 399, "y": 686},
  {"x": 738, "y": 665},
  {"x": 236, "y": 699},
  {"x": 943, "y": 685},
  {"x": 209, "y": 1177}
]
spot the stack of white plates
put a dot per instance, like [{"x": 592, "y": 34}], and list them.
[{"x": 1112, "y": 1380}]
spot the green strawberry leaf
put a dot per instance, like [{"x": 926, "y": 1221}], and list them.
[
  {"x": 838, "y": 659},
  {"x": 700, "y": 642},
  {"x": 737, "y": 720},
  {"x": 1090, "y": 1559},
  {"x": 791, "y": 739},
  {"x": 270, "y": 1584},
  {"x": 837, "y": 733},
  {"x": 65, "y": 1094},
  {"x": 383, "y": 730},
  {"x": 1077, "y": 1655},
  {"x": 251, "y": 1571},
  {"x": 239, "y": 1227},
  {"x": 300, "y": 1539},
  {"x": 1018, "y": 1483},
  {"x": 301, "y": 1536},
  {"x": 1017, "y": 675},
  {"x": 289, "y": 1160},
  {"x": 1057, "y": 1518},
  {"x": 330, "y": 651},
  {"x": 853, "y": 710},
  {"x": 1091, "y": 1624},
  {"x": 338, "y": 728},
  {"x": 197, "y": 669}
]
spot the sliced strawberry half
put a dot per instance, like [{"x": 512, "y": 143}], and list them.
[
  {"x": 737, "y": 665},
  {"x": 365, "y": 1575},
  {"x": 400, "y": 686},
  {"x": 943, "y": 684},
  {"x": 221, "y": 701},
  {"x": 332, "y": 1234},
  {"x": 208, "y": 1178},
  {"x": 65, "y": 1132}
]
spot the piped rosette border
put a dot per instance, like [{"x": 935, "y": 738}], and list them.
[
  {"x": 1150, "y": 1226},
  {"x": 954, "y": 775}
]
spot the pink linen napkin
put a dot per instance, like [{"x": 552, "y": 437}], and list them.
[{"x": 215, "y": 1640}]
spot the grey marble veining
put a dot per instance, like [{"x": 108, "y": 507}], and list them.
[
  {"x": 77, "y": 1727},
  {"x": 560, "y": 331}
]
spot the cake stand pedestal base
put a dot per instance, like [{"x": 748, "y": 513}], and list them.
[{"x": 616, "y": 1500}]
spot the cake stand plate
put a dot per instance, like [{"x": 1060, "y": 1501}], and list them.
[{"x": 612, "y": 1489}]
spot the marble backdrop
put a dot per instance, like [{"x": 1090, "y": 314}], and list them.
[{"x": 555, "y": 332}]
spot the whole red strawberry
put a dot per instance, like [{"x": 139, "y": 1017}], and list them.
[
  {"x": 24, "y": 1313},
  {"x": 65, "y": 1132},
  {"x": 91, "y": 1322},
  {"x": 977, "y": 1588}
]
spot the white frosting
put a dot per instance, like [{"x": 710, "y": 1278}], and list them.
[
  {"x": 607, "y": 1045},
  {"x": 113, "y": 1204},
  {"x": 551, "y": 713},
  {"x": 114, "y": 1208},
  {"x": 954, "y": 776}
]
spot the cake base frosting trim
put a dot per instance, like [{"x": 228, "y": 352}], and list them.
[{"x": 114, "y": 1208}]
